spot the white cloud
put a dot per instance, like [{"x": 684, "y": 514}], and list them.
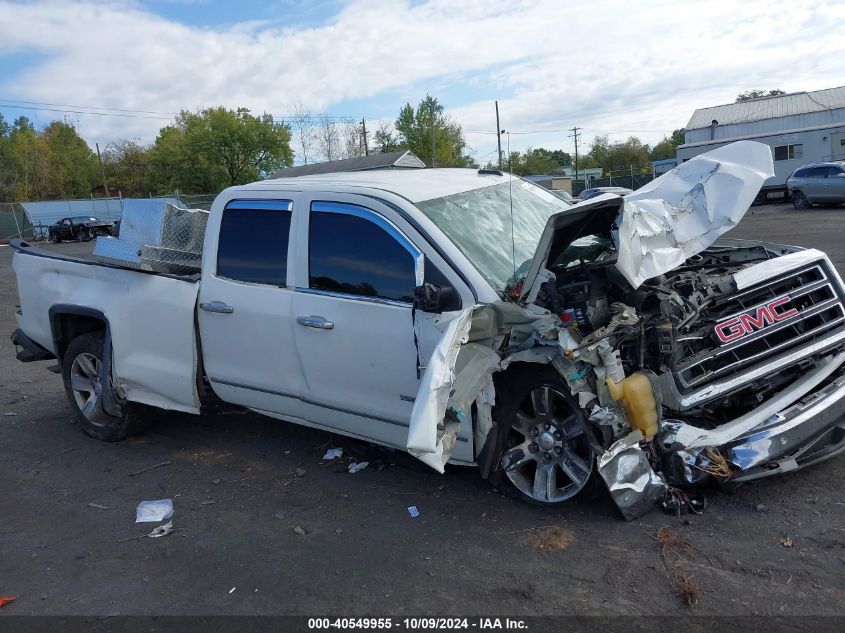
[{"x": 603, "y": 65}]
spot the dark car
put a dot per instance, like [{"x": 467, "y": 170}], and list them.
[
  {"x": 597, "y": 191},
  {"x": 817, "y": 183},
  {"x": 80, "y": 227}
]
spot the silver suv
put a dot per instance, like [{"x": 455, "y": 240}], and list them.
[{"x": 817, "y": 183}]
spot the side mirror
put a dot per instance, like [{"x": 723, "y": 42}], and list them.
[{"x": 432, "y": 298}]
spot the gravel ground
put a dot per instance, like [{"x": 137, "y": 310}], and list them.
[{"x": 245, "y": 488}]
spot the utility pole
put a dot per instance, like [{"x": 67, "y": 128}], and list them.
[
  {"x": 364, "y": 127},
  {"x": 499, "y": 135},
  {"x": 102, "y": 171},
  {"x": 574, "y": 136},
  {"x": 433, "y": 160}
]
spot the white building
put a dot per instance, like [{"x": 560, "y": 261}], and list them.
[{"x": 801, "y": 128}]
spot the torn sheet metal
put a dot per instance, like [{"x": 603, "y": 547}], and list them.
[
  {"x": 678, "y": 215},
  {"x": 430, "y": 434},
  {"x": 633, "y": 484}
]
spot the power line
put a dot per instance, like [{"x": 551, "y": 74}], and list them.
[
  {"x": 66, "y": 105},
  {"x": 117, "y": 114},
  {"x": 587, "y": 129}
]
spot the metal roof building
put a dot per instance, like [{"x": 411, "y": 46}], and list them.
[
  {"x": 779, "y": 114},
  {"x": 801, "y": 127},
  {"x": 403, "y": 159}
]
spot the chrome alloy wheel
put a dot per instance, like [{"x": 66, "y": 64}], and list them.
[
  {"x": 85, "y": 383},
  {"x": 548, "y": 457}
]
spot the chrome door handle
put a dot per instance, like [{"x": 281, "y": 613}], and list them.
[
  {"x": 316, "y": 322},
  {"x": 217, "y": 306}
]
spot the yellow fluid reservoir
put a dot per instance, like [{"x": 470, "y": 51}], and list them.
[{"x": 637, "y": 396}]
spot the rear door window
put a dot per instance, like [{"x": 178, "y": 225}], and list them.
[
  {"x": 253, "y": 243},
  {"x": 354, "y": 251}
]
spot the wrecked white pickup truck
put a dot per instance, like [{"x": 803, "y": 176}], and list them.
[{"x": 471, "y": 317}]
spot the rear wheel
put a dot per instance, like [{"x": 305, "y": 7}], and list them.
[
  {"x": 54, "y": 237},
  {"x": 546, "y": 453},
  {"x": 82, "y": 370},
  {"x": 799, "y": 201},
  {"x": 86, "y": 235}
]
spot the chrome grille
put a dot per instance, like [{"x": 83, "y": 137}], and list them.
[{"x": 813, "y": 292}]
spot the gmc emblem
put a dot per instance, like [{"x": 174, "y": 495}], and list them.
[{"x": 738, "y": 326}]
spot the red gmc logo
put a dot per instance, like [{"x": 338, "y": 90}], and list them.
[{"x": 738, "y": 326}]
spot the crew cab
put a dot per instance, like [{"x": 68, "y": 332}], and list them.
[{"x": 473, "y": 318}]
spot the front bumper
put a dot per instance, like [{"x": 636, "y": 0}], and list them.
[{"x": 808, "y": 430}]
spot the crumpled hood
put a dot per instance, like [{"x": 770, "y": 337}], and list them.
[{"x": 667, "y": 221}]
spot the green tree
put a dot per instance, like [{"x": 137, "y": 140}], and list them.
[
  {"x": 618, "y": 156},
  {"x": 414, "y": 131},
  {"x": 386, "y": 140},
  {"x": 7, "y": 175},
  {"x": 28, "y": 160},
  {"x": 126, "y": 163},
  {"x": 748, "y": 95},
  {"x": 51, "y": 163},
  {"x": 667, "y": 147},
  {"x": 537, "y": 161},
  {"x": 72, "y": 164},
  {"x": 215, "y": 148}
]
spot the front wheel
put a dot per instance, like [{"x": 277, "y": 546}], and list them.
[
  {"x": 82, "y": 371},
  {"x": 86, "y": 235},
  {"x": 546, "y": 453},
  {"x": 800, "y": 201},
  {"x": 54, "y": 237}
]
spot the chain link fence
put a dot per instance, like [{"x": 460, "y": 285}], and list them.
[
  {"x": 15, "y": 223},
  {"x": 631, "y": 178},
  {"x": 32, "y": 220}
]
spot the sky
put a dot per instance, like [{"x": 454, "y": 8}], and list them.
[{"x": 122, "y": 69}]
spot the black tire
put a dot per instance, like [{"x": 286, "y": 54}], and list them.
[
  {"x": 82, "y": 352},
  {"x": 799, "y": 201},
  {"x": 86, "y": 235},
  {"x": 54, "y": 237},
  {"x": 565, "y": 417}
]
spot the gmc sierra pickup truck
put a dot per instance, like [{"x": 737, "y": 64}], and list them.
[{"x": 472, "y": 317}]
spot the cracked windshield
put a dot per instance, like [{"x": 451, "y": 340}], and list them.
[{"x": 503, "y": 250}]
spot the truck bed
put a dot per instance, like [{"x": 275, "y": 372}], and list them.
[{"x": 151, "y": 318}]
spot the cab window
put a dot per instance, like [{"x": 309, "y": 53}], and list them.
[
  {"x": 253, "y": 243},
  {"x": 354, "y": 251}
]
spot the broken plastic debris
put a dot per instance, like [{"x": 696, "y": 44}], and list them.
[
  {"x": 10, "y": 414},
  {"x": 299, "y": 530},
  {"x": 355, "y": 467},
  {"x": 6, "y": 600},
  {"x": 99, "y": 506},
  {"x": 412, "y": 510},
  {"x": 232, "y": 590},
  {"x": 634, "y": 486},
  {"x": 152, "y": 511},
  {"x": 333, "y": 453},
  {"x": 162, "y": 530}
]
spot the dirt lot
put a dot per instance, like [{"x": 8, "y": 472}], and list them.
[{"x": 241, "y": 484}]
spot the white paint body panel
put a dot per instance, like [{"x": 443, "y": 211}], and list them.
[{"x": 151, "y": 319}]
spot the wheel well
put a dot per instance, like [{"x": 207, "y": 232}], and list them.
[
  {"x": 503, "y": 379},
  {"x": 69, "y": 325}
]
